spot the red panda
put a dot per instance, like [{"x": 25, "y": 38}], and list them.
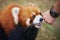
[{"x": 24, "y": 15}]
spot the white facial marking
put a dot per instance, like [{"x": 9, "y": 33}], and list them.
[
  {"x": 34, "y": 13},
  {"x": 39, "y": 11},
  {"x": 15, "y": 12},
  {"x": 28, "y": 22},
  {"x": 37, "y": 21}
]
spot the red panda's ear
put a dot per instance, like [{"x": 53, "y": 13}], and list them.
[
  {"x": 30, "y": 4},
  {"x": 15, "y": 12}
]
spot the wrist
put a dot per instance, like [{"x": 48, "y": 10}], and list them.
[{"x": 53, "y": 13}]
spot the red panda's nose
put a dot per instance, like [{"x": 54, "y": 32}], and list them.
[{"x": 41, "y": 19}]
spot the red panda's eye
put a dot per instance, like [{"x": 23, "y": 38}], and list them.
[
  {"x": 40, "y": 13},
  {"x": 33, "y": 16}
]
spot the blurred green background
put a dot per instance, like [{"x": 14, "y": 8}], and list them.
[{"x": 46, "y": 32}]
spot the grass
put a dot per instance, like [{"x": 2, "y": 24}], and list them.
[{"x": 46, "y": 32}]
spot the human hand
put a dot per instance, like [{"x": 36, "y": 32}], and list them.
[{"x": 48, "y": 18}]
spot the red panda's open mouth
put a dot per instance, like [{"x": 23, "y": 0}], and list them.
[{"x": 38, "y": 24}]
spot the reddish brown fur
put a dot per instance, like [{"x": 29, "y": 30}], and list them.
[{"x": 6, "y": 17}]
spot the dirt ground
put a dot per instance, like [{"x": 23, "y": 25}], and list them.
[{"x": 46, "y": 32}]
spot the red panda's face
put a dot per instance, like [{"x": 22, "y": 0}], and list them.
[
  {"x": 35, "y": 18},
  {"x": 27, "y": 15}
]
